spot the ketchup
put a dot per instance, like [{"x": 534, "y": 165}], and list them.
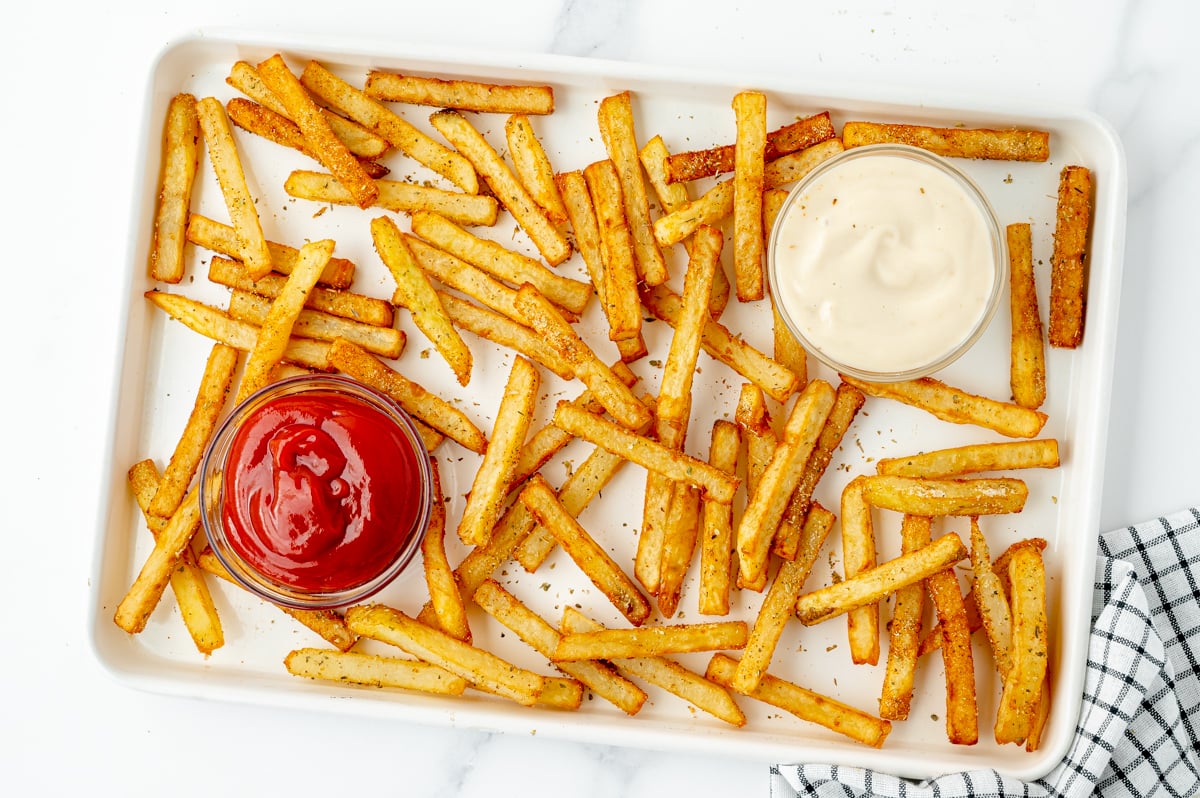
[{"x": 322, "y": 491}]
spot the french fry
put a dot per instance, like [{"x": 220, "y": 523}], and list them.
[
  {"x": 1023, "y": 686},
  {"x": 1027, "y": 362},
  {"x": 276, "y": 329},
  {"x": 561, "y": 693},
  {"x": 798, "y": 135},
  {"x": 402, "y": 135},
  {"x": 180, "y": 160},
  {"x": 372, "y": 670},
  {"x": 709, "y": 208},
  {"x": 713, "y": 482},
  {"x": 462, "y": 276},
  {"x": 383, "y": 341},
  {"x": 918, "y": 496},
  {"x": 147, "y": 588},
  {"x": 974, "y": 459},
  {"x": 904, "y": 631},
  {"x": 795, "y": 165},
  {"x": 500, "y": 262},
  {"x": 988, "y": 594},
  {"x": 482, "y": 669},
  {"x": 772, "y": 204},
  {"x": 667, "y": 674},
  {"x": 1033, "y": 740},
  {"x": 805, "y": 704},
  {"x": 492, "y": 480},
  {"x": 599, "y": 677},
  {"x": 788, "y": 350},
  {"x": 596, "y": 564},
  {"x": 348, "y": 304},
  {"x": 615, "y": 118},
  {"x": 415, "y": 292},
  {"x": 223, "y": 154},
  {"x": 682, "y": 530},
  {"x": 779, "y": 606},
  {"x": 439, "y": 576},
  {"x": 533, "y": 167},
  {"x": 501, "y": 329},
  {"x": 222, "y": 239},
  {"x": 716, "y": 536},
  {"x": 957, "y": 406},
  {"x": 1068, "y": 261},
  {"x": 322, "y": 143},
  {"x": 764, "y": 509},
  {"x": 206, "y": 411},
  {"x": 750, "y": 110},
  {"x": 858, "y": 556},
  {"x": 958, "y": 142},
  {"x": 398, "y": 196},
  {"x": 425, "y": 406},
  {"x": 962, "y": 712},
  {"x": 651, "y": 641},
  {"x": 187, "y": 580},
  {"x": 618, "y": 272},
  {"x": 607, "y": 388},
  {"x": 465, "y": 95},
  {"x": 471, "y": 143}
]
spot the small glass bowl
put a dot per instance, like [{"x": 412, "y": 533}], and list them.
[
  {"x": 974, "y": 194},
  {"x": 212, "y": 495}
]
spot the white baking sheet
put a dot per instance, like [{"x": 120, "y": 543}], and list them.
[{"x": 162, "y": 361}]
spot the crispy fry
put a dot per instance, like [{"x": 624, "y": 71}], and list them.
[
  {"x": 221, "y": 238},
  {"x": 369, "y": 669},
  {"x": 1033, "y": 740},
  {"x": 946, "y": 496},
  {"x": 533, "y": 167},
  {"x": 709, "y": 208},
  {"x": 858, "y": 554},
  {"x": 681, "y": 531},
  {"x": 1068, "y": 262},
  {"x": 439, "y": 576},
  {"x": 772, "y": 204},
  {"x": 805, "y": 704},
  {"x": 466, "y": 95},
  {"x": 716, "y": 536},
  {"x": 618, "y": 272},
  {"x": 223, "y": 154},
  {"x": 652, "y": 641},
  {"x": 1023, "y": 686},
  {"x": 561, "y": 693},
  {"x": 798, "y": 135},
  {"x": 788, "y": 350},
  {"x": 750, "y": 109},
  {"x": 1027, "y": 366},
  {"x": 180, "y": 159},
  {"x": 426, "y": 406},
  {"x": 958, "y": 406},
  {"x": 383, "y": 341},
  {"x": 398, "y": 196},
  {"x": 962, "y": 712},
  {"x": 471, "y": 143},
  {"x": 146, "y": 590},
  {"x": 958, "y": 142},
  {"x": 502, "y": 330},
  {"x": 905, "y": 629},
  {"x": 508, "y": 436},
  {"x": 374, "y": 116},
  {"x": 793, "y": 166},
  {"x": 973, "y": 459},
  {"x": 462, "y": 276},
  {"x": 988, "y": 594}
]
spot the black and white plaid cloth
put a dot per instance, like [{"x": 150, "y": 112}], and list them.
[{"x": 1139, "y": 726}]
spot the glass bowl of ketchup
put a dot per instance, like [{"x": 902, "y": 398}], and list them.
[{"x": 315, "y": 492}]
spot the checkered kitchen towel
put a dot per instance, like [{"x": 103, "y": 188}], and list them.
[{"x": 1139, "y": 727}]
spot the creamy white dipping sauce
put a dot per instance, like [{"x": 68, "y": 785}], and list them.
[{"x": 885, "y": 263}]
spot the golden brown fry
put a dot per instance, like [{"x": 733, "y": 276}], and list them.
[
  {"x": 793, "y": 166},
  {"x": 180, "y": 159},
  {"x": 962, "y": 712},
  {"x": 750, "y": 109},
  {"x": 798, "y": 135},
  {"x": 143, "y": 595},
  {"x": 501, "y": 329},
  {"x": 223, "y": 154},
  {"x": 426, "y": 406},
  {"x": 471, "y": 143},
  {"x": 1068, "y": 262},
  {"x": 1033, "y": 740},
  {"x": 466, "y": 95},
  {"x": 946, "y": 496},
  {"x": 561, "y": 693},
  {"x": 772, "y": 204},
  {"x": 369, "y": 669},
  {"x": 788, "y": 350},
  {"x": 681, "y": 531},
  {"x": 1027, "y": 367},
  {"x": 957, "y": 406},
  {"x": 988, "y": 594},
  {"x": 221, "y": 238},
  {"x": 206, "y": 411},
  {"x": 484, "y": 502},
  {"x": 618, "y": 272},
  {"x": 805, "y": 704},
  {"x": 533, "y": 167},
  {"x": 398, "y": 196},
  {"x": 439, "y": 576},
  {"x": 858, "y": 554},
  {"x": 1023, "y": 686},
  {"x": 596, "y": 564},
  {"x": 710, "y": 208},
  {"x": 716, "y": 547},
  {"x": 651, "y": 641},
  {"x": 383, "y": 341},
  {"x": 374, "y": 116},
  {"x": 462, "y": 276},
  {"x": 904, "y": 631},
  {"x": 973, "y": 459},
  {"x": 958, "y": 142}
]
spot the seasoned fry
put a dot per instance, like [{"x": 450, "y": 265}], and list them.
[
  {"x": 805, "y": 704},
  {"x": 415, "y": 292},
  {"x": 905, "y": 629},
  {"x": 374, "y": 116},
  {"x": 618, "y": 272},
  {"x": 599, "y": 677},
  {"x": 1023, "y": 685},
  {"x": 439, "y": 576},
  {"x": 709, "y": 208},
  {"x": 798, "y": 135},
  {"x": 858, "y": 554},
  {"x": 750, "y": 109},
  {"x": 426, "y": 406},
  {"x": 484, "y": 502},
  {"x": 462, "y": 276},
  {"x": 348, "y": 304},
  {"x": 502, "y": 330},
  {"x": 221, "y": 238},
  {"x": 369, "y": 669},
  {"x": 1033, "y": 740},
  {"x": 180, "y": 159},
  {"x": 223, "y": 154},
  {"x": 398, "y": 196},
  {"x": 1027, "y": 366},
  {"x": 788, "y": 350},
  {"x": 988, "y": 594},
  {"x": 143, "y": 595},
  {"x": 958, "y": 406},
  {"x": 962, "y": 712},
  {"x": 383, "y": 341},
  {"x": 596, "y": 564},
  {"x": 471, "y": 143},
  {"x": 681, "y": 531},
  {"x": 1068, "y": 262},
  {"x": 276, "y": 329},
  {"x": 946, "y": 496},
  {"x": 466, "y": 95},
  {"x": 206, "y": 411},
  {"x": 793, "y": 166},
  {"x": 561, "y": 693},
  {"x": 973, "y": 459},
  {"x": 958, "y": 142},
  {"x": 652, "y": 641},
  {"x": 533, "y": 167}
]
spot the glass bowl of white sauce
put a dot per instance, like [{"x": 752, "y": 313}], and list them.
[{"x": 887, "y": 263}]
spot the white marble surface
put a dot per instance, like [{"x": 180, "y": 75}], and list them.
[{"x": 72, "y": 87}]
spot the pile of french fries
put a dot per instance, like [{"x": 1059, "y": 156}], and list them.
[{"x": 743, "y": 519}]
